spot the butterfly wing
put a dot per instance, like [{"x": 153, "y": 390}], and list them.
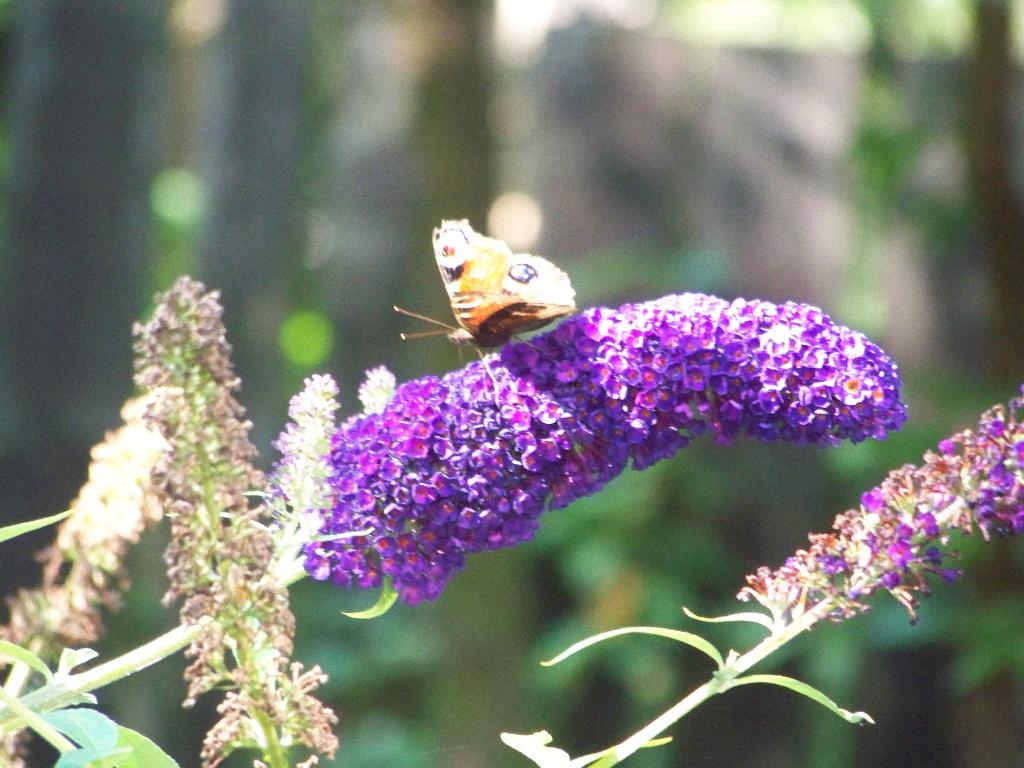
[
  {"x": 473, "y": 267},
  {"x": 495, "y": 293},
  {"x": 534, "y": 292}
]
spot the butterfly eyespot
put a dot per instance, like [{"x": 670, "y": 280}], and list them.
[
  {"x": 522, "y": 273},
  {"x": 451, "y": 274}
]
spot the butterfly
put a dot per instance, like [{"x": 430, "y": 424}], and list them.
[{"x": 495, "y": 293}]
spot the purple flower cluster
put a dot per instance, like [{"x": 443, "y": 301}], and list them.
[
  {"x": 995, "y": 458},
  {"x": 896, "y": 537},
  {"x": 468, "y": 462}
]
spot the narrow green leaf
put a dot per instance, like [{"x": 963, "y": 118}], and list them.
[
  {"x": 535, "y": 747},
  {"x": 17, "y": 529},
  {"x": 687, "y": 638},
  {"x": 23, "y": 655},
  {"x": 387, "y": 598},
  {"x": 74, "y": 657},
  {"x": 798, "y": 686},
  {"x": 749, "y": 616}
]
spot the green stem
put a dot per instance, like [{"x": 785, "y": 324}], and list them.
[
  {"x": 270, "y": 745},
  {"x": 275, "y": 755},
  {"x": 287, "y": 573},
  {"x": 740, "y": 664},
  {"x": 70, "y": 689},
  {"x": 21, "y": 672},
  {"x": 16, "y": 680},
  {"x": 777, "y": 639},
  {"x": 721, "y": 682},
  {"x": 36, "y": 723}
]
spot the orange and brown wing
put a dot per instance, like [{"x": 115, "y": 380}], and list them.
[{"x": 533, "y": 293}]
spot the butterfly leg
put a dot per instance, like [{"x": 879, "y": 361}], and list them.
[
  {"x": 520, "y": 340},
  {"x": 490, "y": 373}
]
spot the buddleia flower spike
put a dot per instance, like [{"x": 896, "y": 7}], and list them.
[{"x": 450, "y": 466}]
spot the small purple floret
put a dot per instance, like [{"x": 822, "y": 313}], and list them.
[
  {"x": 873, "y": 500},
  {"x": 451, "y": 467}
]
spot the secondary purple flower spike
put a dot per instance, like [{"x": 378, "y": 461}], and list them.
[
  {"x": 896, "y": 538},
  {"x": 450, "y": 466}
]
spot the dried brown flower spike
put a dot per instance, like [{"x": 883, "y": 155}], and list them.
[{"x": 220, "y": 554}]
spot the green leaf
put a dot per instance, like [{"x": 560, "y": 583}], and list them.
[
  {"x": 74, "y": 657},
  {"x": 78, "y": 758},
  {"x": 751, "y": 617},
  {"x": 94, "y": 732},
  {"x": 85, "y": 727},
  {"x": 103, "y": 743},
  {"x": 10, "y": 531},
  {"x": 23, "y": 655},
  {"x": 143, "y": 752},
  {"x": 387, "y": 598},
  {"x": 687, "y": 638},
  {"x": 534, "y": 746},
  {"x": 798, "y": 686}
]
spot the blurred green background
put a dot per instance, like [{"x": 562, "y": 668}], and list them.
[{"x": 861, "y": 155}]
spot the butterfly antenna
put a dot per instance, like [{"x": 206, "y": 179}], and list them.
[
  {"x": 421, "y": 334},
  {"x": 424, "y": 318}
]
